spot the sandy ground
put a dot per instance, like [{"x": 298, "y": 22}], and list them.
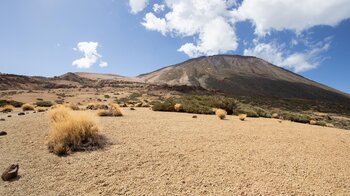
[{"x": 156, "y": 153}]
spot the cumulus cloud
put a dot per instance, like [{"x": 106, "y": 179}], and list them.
[
  {"x": 297, "y": 61},
  {"x": 216, "y": 37},
  {"x": 103, "y": 64},
  {"x": 89, "y": 49},
  {"x": 209, "y": 20},
  {"x": 158, "y": 8},
  {"x": 267, "y": 15},
  {"x": 137, "y": 5}
]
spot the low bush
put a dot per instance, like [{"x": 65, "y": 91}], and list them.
[
  {"x": 27, "y": 107},
  {"x": 300, "y": 118},
  {"x": 73, "y": 131},
  {"x": 16, "y": 104},
  {"x": 248, "y": 110},
  {"x": 196, "y": 104},
  {"x": 114, "y": 110},
  {"x": 178, "y": 107},
  {"x": 7, "y": 108},
  {"x": 242, "y": 117},
  {"x": 44, "y": 104},
  {"x": 220, "y": 113}
]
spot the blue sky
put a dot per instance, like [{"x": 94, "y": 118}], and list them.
[{"x": 131, "y": 37}]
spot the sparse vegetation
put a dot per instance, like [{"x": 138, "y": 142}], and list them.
[
  {"x": 44, "y": 104},
  {"x": 41, "y": 109},
  {"x": 27, "y": 107},
  {"x": 73, "y": 131},
  {"x": 107, "y": 96},
  {"x": 7, "y": 108},
  {"x": 16, "y": 104},
  {"x": 114, "y": 110},
  {"x": 178, "y": 107},
  {"x": 221, "y": 113},
  {"x": 196, "y": 104},
  {"x": 242, "y": 117}
]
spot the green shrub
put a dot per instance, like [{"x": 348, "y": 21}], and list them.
[
  {"x": 107, "y": 96},
  {"x": 300, "y": 118},
  {"x": 16, "y": 104},
  {"x": 197, "y": 104},
  {"x": 321, "y": 123},
  {"x": 44, "y": 103},
  {"x": 248, "y": 110}
]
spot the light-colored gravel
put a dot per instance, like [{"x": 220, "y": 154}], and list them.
[{"x": 156, "y": 153}]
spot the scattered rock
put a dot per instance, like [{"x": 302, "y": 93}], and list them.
[
  {"x": 194, "y": 116},
  {"x": 21, "y": 114},
  {"x": 10, "y": 173},
  {"x": 9, "y": 116},
  {"x": 132, "y": 108},
  {"x": 280, "y": 121},
  {"x": 2, "y": 119},
  {"x": 3, "y": 133},
  {"x": 34, "y": 112}
]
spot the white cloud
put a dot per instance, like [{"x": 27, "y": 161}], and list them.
[
  {"x": 137, "y": 5},
  {"x": 158, "y": 8},
  {"x": 299, "y": 62},
  {"x": 267, "y": 15},
  {"x": 210, "y": 20},
  {"x": 90, "y": 55},
  {"x": 216, "y": 37},
  {"x": 103, "y": 64},
  {"x": 154, "y": 23}
]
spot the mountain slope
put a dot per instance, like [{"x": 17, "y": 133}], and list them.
[{"x": 243, "y": 76}]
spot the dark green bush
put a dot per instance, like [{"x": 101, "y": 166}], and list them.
[
  {"x": 246, "y": 109},
  {"x": 300, "y": 118},
  {"x": 16, "y": 104},
  {"x": 197, "y": 104},
  {"x": 44, "y": 103}
]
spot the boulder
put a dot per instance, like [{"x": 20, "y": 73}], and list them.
[
  {"x": 10, "y": 173},
  {"x": 3, "y": 133}
]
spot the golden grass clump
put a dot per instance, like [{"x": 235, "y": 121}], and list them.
[
  {"x": 242, "y": 117},
  {"x": 221, "y": 113},
  {"x": 27, "y": 107},
  {"x": 59, "y": 114},
  {"x": 72, "y": 106},
  {"x": 178, "y": 107},
  {"x": 73, "y": 131},
  {"x": 114, "y": 110},
  {"x": 41, "y": 109},
  {"x": 7, "y": 108}
]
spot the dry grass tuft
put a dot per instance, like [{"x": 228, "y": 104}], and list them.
[
  {"x": 178, "y": 107},
  {"x": 7, "y": 108},
  {"x": 242, "y": 117},
  {"x": 221, "y": 113},
  {"x": 73, "y": 106},
  {"x": 114, "y": 110},
  {"x": 27, "y": 107},
  {"x": 60, "y": 113},
  {"x": 41, "y": 109},
  {"x": 73, "y": 131}
]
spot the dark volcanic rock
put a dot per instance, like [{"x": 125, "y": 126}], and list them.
[
  {"x": 10, "y": 173},
  {"x": 3, "y": 133}
]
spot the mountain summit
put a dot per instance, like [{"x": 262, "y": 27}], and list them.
[{"x": 242, "y": 76}]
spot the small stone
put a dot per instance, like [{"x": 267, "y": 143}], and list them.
[
  {"x": 3, "y": 133},
  {"x": 9, "y": 116},
  {"x": 194, "y": 116},
  {"x": 21, "y": 114},
  {"x": 132, "y": 108},
  {"x": 2, "y": 119},
  {"x": 10, "y": 173}
]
